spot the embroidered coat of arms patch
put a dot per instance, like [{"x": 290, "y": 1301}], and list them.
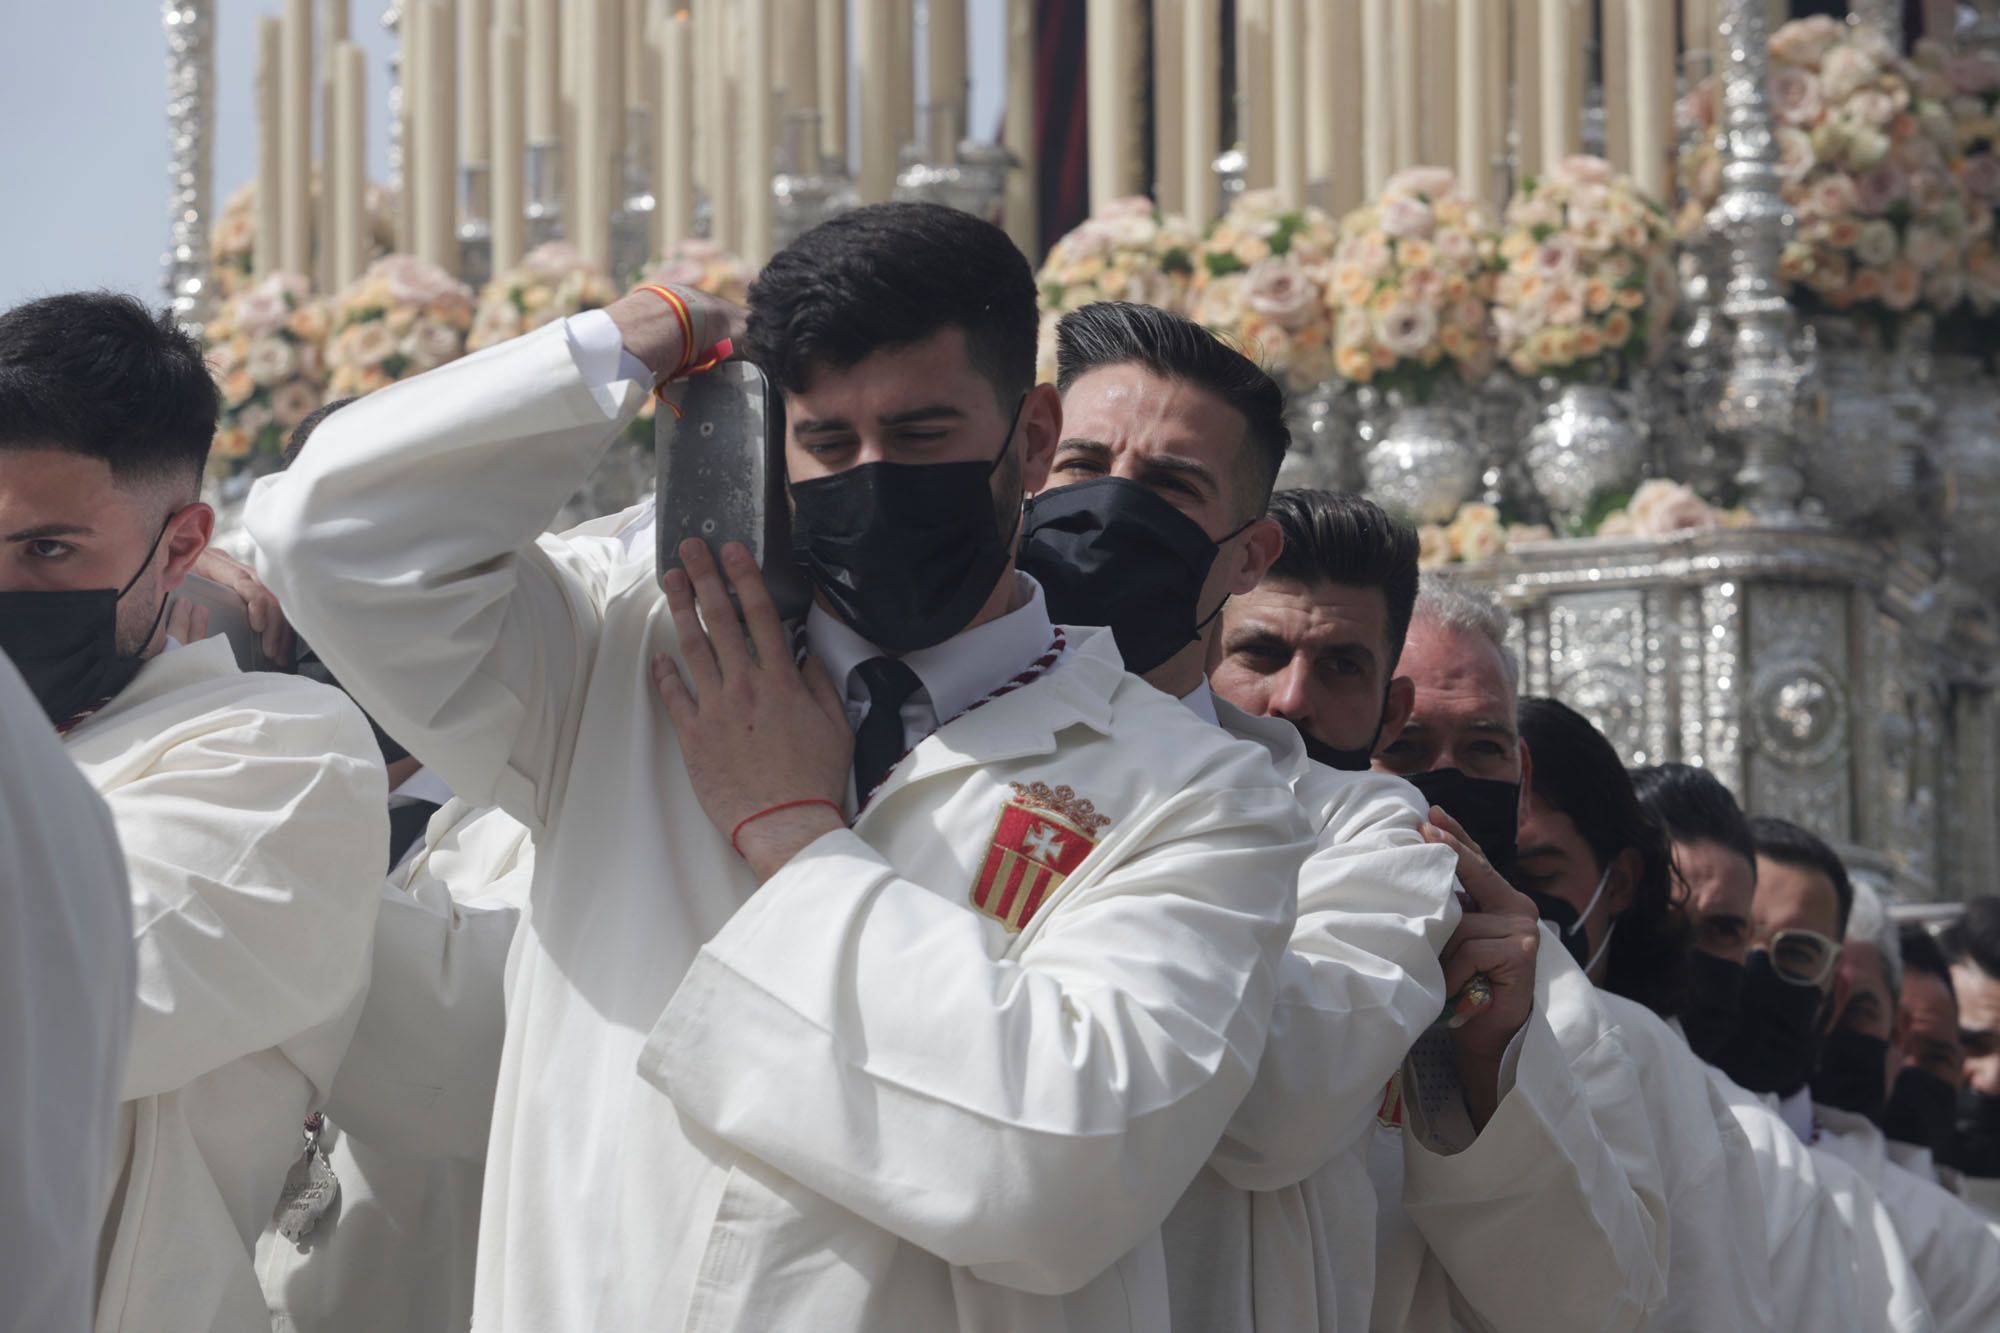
[{"x": 1042, "y": 836}]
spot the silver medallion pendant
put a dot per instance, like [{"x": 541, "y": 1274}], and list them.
[{"x": 310, "y": 1187}]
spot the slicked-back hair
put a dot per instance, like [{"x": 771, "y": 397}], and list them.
[
  {"x": 1448, "y": 604},
  {"x": 1174, "y": 347},
  {"x": 1786, "y": 843},
  {"x": 1334, "y": 537},
  {"x": 1693, "y": 805},
  {"x": 304, "y": 430},
  {"x": 891, "y": 275},
  {"x": 101, "y": 375},
  {"x": 1921, "y": 953},
  {"x": 1577, "y": 773},
  {"x": 1975, "y": 937}
]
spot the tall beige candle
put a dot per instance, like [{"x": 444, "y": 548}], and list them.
[
  {"x": 1553, "y": 37},
  {"x": 1646, "y": 31},
  {"x": 796, "y": 31},
  {"x": 1941, "y": 20},
  {"x": 1615, "y": 55},
  {"x": 295, "y": 208},
  {"x": 902, "y": 70},
  {"x": 1255, "y": 132},
  {"x": 506, "y": 65},
  {"x": 333, "y": 19},
  {"x": 877, "y": 176},
  {"x": 1201, "y": 131},
  {"x": 758, "y": 137},
  {"x": 1474, "y": 33},
  {"x": 944, "y": 41},
  {"x": 1170, "y": 102},
  {"x": 265, "y": 257},
  {"x": 725, "y": 205},
  {"x": 1344, "y": 185},
  {"x": 1287, "y": 91},
  {"x": 440, "y": 167},
  {"x": 1110, "y": 110},
  {"x": 475, "y": 105},
  {"x": 830, "y": 49},
  {"x": 1378, "y": 117},
  {"x": 1406, "y": 85},
  {"x": 347, "y": 177},
  {"x": 636, "y": 77},
  {"x": 542, "y": 48},
  {"x": 676, "y": 192},
  {"x": 1018, "y": 128},
  {"x": 1322, "y": 60},
  {"x": 1437, "y": 46},
  {"x": 1526, "y": 97},
  {"x": 447, "y": 63},
  {"x": 590, "y": 229}
]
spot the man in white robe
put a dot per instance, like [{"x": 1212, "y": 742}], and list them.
[
  {"x": 66, "y": 980},
  {"x": 249, "y": 807},
  {"x": 948, "y": 1068},
  {"x": 1171, "y": 442},
  {"x": 1955, "y": 1254}
]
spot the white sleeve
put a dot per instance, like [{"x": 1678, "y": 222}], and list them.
[
  {"x": 1885, "y": 1287},
  {"x": 66, "y": 985},
  {"x": 1956, "y": 1255},
  {"x": 1360, "y": 983},
  {"x": 255, "y": 852},
  {"x": 403, "y": 545},
  {"x": 1031, "y": 1119},
  {"x": 1555, "y": 1215}
]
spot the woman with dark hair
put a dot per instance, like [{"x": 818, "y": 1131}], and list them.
[
  {"x": 1601, "y": 872},
  {"x": 1587, "y": 844}
]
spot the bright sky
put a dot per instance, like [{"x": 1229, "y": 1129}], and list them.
[{"x": 83, "y": 140}]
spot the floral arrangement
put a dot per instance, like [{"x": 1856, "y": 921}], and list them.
[
  {"x": 1126, "y": 251},
  {"x": 1970, "y": 82},
  {"x": 1865, "y": 147},
  {"x": 551, "y": 282},
  {"x": 264, "y": 346},
  {"x": 1410, "y": 287},
  {"x": 1589, "y": 282},
  {"x": 232, "y": 242},
  {"x": 704, "y": 266},
  {"x": 1658, "y": 508},
  {"x": 402, "y": 317},
  {"x": 1260, "y": 280}
]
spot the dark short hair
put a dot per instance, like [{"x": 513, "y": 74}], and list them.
[
  {"x": 887, "y": 276},
  {"x": 303, "y": 431},
  {"x": 1782, "y": 841},
  {"x": 1124, "y": 333},
  {"x": 1921, "y": 953},
  {"x": 1578, "y": 773},
  {"x": 99, "y": 374},
  {"x": 1693, "y": 805},
  {"x": 1975, "y": 937},
  {"x": 1334, "y": 537}
]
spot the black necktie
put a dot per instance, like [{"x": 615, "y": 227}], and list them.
[
  {"x": 878, "y": 741},
  {"x": 406, "y": 826}
]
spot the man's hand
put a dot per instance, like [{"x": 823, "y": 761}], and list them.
[
  {"x": 755, "y": 730},
  {"x": 1496, "y": 941},
  {"x": 652, "y": 331},
  {"x": 267, "y": 618}
]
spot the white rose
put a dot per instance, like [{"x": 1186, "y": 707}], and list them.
[
  {"x": 1875, "y": 244},
  {"x": 261, "y": 311},
  {"x": 1431, "y": 182},
  {"x": 270, "y": 360},
  {"x": 1403, "y": 217},
  {"x": 1405, "y": 329},
  {"x": 1795, "y": 96},
  {"x": 1582, "y": 169},
  {"x": 1845, "y": 72},
  {"x": 1280, "y": 291},
  {"x": 1795, "y": 155},
  {"x": 1128, "y": 206}
]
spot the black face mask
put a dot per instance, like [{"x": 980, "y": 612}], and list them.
[
  {"x": 1852, "y": 1073},
  {"x": 309, "y": 665},
  {"x": 1715, "y": 1002},
  {"x": 906, "y": 553},
  {"x": 1110, "y": 552},
  {"x": 1489, "y": 810},
  {"x": 1347, "y": 761},
  {"x": 65, "y": 643},
  {"x": 1776, "y": 1041},
  {"x": 1920, "y": 1110},
  {"x": 1564, "y": 918},
  {"x": 1975, "y": 1139}
]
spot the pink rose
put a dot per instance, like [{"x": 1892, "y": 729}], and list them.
[
  {"x": 1431, "y": 182},
  {"x": 1555, "y": 257},
  {"x": 1406, "y": 329},
  {"x": 1582, "y": 169},
  {"x": 1795, "y": 95},
  {"x": 1846, "y": 71},
  {"x": 1833, "y": 196},
  {"x": 1876, "y": 190},
  {"x": 1280, "y": 291},
  {"x": 1128, "y": 206},
  {"x": 1404, "y": 217},
  {"x": 1872, "y": 106},
  {"x": 1806, "y": 41},
  {"x": 1795, "y": 155}
]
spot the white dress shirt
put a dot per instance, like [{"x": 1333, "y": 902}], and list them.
[{"x": 66, "y": 985}]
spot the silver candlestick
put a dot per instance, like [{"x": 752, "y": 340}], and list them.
[
  {"x": 392, "y": 22},
  {"x": 812, "y": 188},
  {"x": 475, "y": 233},
  {"x": 190, "y": 31},
  {"x": 1231, "y": 170},
  {"x": 632, "y": 223},
  {"x": 1760, "y": 394},
  {"x": 544, "y": 181}
]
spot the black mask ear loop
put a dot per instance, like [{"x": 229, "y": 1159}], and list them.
[
  {"x": 1231, "y": 535},
  {"x": 1013, "y": 424},
  {"x": 139, "y": 573}
]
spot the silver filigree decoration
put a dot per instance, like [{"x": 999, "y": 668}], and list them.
[
  {"x": 190, "y": 32},
  {"x": 1885, "y": 16}
]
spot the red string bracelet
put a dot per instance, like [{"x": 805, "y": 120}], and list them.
[
  {"x": 678, "y": 304},
  {"x": 782, "y": 805}
]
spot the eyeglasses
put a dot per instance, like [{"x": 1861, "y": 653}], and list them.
[{"x": 1802, "y": 957}]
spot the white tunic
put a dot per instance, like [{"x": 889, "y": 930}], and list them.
[
  {"x": 1277, "y": 1232},
  {"x": 1718, "y": 1272},
  {"x": 66, "y": 979},
  {"x": 1555, "y": 1215},
  {"x": 251, "y": 810},
  {"x": 846, "y": 1099},
  {"x": 412, "y": 1102},
  {"x": 1812, "y": 1259}
]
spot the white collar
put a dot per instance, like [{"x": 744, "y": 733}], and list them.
[
  {"x": 956, "y": 673},
  {"x": 1797, "y": 1110},
  {"x": 1201, "y": 702}
]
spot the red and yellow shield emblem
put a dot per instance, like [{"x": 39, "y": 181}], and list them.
[{"x": 1042, "y": 836}]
